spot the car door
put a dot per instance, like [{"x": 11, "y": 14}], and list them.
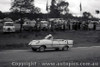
[
  {"x": 48, "y": 43},
  {"x": 55, "y": 43},
  {"x": 62, "y": 43}
]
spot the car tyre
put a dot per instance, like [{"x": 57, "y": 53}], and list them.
[
  {"x": 41, "y": 49},
  {"x": 65, "y": 48},
  {"x": 34, "y": 49}
]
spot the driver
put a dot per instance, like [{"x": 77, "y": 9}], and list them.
[{"x": 49, "y": 37}]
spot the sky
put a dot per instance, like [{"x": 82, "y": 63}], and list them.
[{"x": 74, "y": 6}]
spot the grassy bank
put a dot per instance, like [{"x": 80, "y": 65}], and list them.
[{"x": 20, "y": 40}]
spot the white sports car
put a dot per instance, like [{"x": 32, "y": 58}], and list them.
[{"x": 49, "y": 42}]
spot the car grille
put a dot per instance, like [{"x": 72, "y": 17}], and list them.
[{"x": 8, "y": 29}]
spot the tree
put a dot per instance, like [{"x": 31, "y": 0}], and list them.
[
  {"x": 25, "y": 6},
  {"x": 22, "y": 7},
  {"x": 63, "y": 7},
  {"x": 37, "y": 10},
  {"x": 58, "y": 9},
  {"x": 53, "y": 9},
  {"x": 97, "y": 11},
  {"x": 1, "y": 14},
  {"x": 87, "y": 15}
]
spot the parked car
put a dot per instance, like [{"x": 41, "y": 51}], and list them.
[
  {"x": 8, "y": 27},
  {"x": 50, "y": 42},
  {"x": 29, "y": 25},
  {"x": 44, "y": 25}
]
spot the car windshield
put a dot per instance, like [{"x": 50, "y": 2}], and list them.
[{"x": 9, "y": 24}]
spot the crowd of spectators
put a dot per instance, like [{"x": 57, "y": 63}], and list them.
[{"x": 72, "y": 25}]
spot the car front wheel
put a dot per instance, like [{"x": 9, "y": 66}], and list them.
[
  {"x": 41, "y": 49},
  {"x": 34, "y": 49}
]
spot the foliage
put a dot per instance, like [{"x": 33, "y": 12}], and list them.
[
  {"x": 58, "y": 9},
  {"x": 87, "y": 15},
  {"x": 53, "y": 9},
  {"x": 63, "y": 7},
  {"x": 25, "y": 6},
  {"x": 97, "y": 11},
  {"x": 1, "y": 15}
]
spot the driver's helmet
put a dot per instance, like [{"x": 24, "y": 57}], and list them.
[{"x": 49, "y": 36}]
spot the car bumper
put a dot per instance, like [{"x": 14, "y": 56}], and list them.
[{"x": 8, "y": 30}]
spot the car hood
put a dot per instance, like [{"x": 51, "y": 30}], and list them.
[
  {"x": 34, "y": 42},
  {"x": 38, "y": 42}
]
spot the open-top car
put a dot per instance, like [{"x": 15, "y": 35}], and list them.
[{"x": 49, "y": 42}]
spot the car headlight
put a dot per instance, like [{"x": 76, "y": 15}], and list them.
[{"x": 4, "y": 28}]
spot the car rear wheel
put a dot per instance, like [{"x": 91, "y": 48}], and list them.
[
  {"x": 41, "y": 49},
  {"x": 65, "y": 48}
]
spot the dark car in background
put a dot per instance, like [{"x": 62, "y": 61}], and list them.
[{"x": 29, "y": 25}]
